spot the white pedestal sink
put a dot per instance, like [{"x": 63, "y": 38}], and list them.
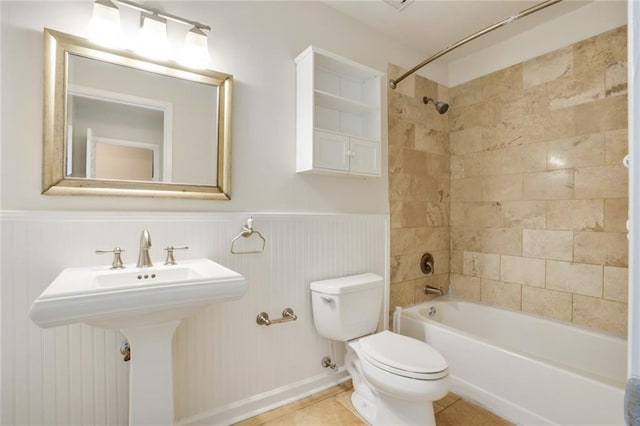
[{"x": 147, "y": 305}]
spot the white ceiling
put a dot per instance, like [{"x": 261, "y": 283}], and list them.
[{"x": 428, "y": 26}]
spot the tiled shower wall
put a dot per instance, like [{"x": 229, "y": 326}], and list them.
[
  {"x": 418, "y": 188},
  {"x": 538, "y": 198}
]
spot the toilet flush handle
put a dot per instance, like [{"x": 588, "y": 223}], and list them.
[{"x": 326, "y": 299}]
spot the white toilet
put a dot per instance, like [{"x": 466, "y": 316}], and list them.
[{"x": 395, "y": 378}]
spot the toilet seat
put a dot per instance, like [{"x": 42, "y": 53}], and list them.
[{"x": 403, "y": 356}]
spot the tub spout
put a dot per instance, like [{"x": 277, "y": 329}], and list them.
[{"x": 433, "y": 290}]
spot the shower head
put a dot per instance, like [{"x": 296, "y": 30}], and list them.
[{"x": 441, "y": 107}]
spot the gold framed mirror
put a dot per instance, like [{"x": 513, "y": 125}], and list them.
[{"x": 118, "y": 124}]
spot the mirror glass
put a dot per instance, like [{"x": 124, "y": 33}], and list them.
[{"x": 119, "y": 124}]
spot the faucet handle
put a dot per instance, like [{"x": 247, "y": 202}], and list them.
[
  {"x": 170, "y": 259},
  {"x": 117, "y": 259}
]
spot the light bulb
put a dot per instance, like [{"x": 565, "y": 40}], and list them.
[
  {"x": 153, "y": 41},
  {"x": 104, "y": 26},
  {"x": 196, "y": 52}
]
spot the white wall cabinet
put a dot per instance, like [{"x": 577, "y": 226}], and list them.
[{"x": 338, "y": 115}]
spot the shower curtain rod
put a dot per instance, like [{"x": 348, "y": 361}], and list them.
[{"x": 394, "y": 83}]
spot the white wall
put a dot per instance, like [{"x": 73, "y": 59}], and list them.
[{"x": 254, "y": 41}]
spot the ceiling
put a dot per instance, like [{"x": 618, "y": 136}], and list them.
[{"x": 428, "y": 26}]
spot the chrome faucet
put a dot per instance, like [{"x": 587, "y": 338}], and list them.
[
  {"x": 144, "y": 260},
  {"x": 432, "y": 290}
]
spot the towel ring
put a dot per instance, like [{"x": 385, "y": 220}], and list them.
[{"x": 247, "y": 231}]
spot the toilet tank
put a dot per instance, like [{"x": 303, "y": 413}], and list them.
[{"x": 348, "y": 307}]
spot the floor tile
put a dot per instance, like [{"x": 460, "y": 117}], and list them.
[
  {"x": 449, "y": 399},
  {"x": 464, "y": 413},
  {"x": 328, "y": 412}
]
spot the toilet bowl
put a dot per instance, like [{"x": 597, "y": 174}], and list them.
[{"x": 395, "y": 378}]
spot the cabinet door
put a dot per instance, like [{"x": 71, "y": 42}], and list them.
[
  {"x": 365, "y": 157},
  {"x": 330, "y": 151}
]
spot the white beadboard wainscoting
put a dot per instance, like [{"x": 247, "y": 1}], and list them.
[{"x": 226, "y": 367}]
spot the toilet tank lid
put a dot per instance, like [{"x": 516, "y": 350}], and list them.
[{"x": 349, "y": 284}]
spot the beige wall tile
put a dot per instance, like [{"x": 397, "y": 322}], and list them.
[
  {"x": 579, "y": 215},
  {"x": 524, "y": 158},
  {"x": 399, "y": 184},
  {"x": 437, "y": 214},
  {"x": 616, "y": 146},
  {"x": 467, "y": 93},
  {"x": 579, "y": 151},
  {"x": 456, "y": 166},
  {"x": 601, "y": 248},
  {"x": 401, "y": 294},
  {"x": 503, "y": 187},
  {"x": 456, "y": 261},
  {"x": 456, "y": 213},
  {"x": 601, "y": 182},
  {"x": 522, "y": 270},
  {"x": 551, "y": 66},
  {"x": 467, "y": 189},
  {"x": 555, "y": 245},
  {"x": 602, "y": 115},
  {"x": 465, "y": 287},
  {"x": 524, "y": 214},
  {"x": 502, "y": 294},
  {"x": 401, "y": 133},
  {"x": 583, "y": 88},
  {"x": 482, "y": 163},
  {"x": 414, "y": 162},
  {"x": 616, "y": 283},
  {"x": 466, "y": 141},
  {"x": 466, "y": 239},
  {"x": 507, "y": 80},
  {"x": 601, "y": 51},
  {"x": 482, "y": 215},
  {"x": 502, "y": 241},
  {"x": 438, "y": 165},
  {"x": 602, "y": 314},
  {"x": 616, "y": 213},
  {"x": 431, "y": 140},
  {"x": 481, "y": 265},
  {"x": 615, "y": 79},
  {"x": 418, "y": 240},
  {"x": 574, "y": 278},
  {"x": 426, "y": 87},
  {"x": 548, "y": 303},
  {"x": 397, "y": 218},
  {"x": 552, "y": 185}
]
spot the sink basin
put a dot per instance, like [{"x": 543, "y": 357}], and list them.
[
  {"x": 134, "y": 296},
  {"x": 147, "y": 305}
]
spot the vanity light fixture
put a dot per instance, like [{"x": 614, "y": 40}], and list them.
[
  {"x": 196, "y": 52},
  {"x": 104, "y": 26},
  {"x": 153, "y": 40}
]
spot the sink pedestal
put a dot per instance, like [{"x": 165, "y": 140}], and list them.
[{"x": 151, "y": 374}]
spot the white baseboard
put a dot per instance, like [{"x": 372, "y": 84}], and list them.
[{"x": 257, "y": 404}]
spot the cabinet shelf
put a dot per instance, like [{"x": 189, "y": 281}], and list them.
[
  {"x": 321, "y": 129},
  {"x": 339, "y": 103}
]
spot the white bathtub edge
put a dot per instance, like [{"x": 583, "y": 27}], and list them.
[{"x": 497, "y": 405}]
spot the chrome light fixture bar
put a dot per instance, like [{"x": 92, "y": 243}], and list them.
[{"x": 105, "y": 24}]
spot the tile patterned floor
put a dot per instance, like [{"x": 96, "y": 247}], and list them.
[{"x": 333, "y": 407}]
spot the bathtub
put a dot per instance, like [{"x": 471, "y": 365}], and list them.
[{"x": 527, "y": 369}]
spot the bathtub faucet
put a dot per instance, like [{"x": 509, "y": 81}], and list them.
[{"x": 433, "y": 290}]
